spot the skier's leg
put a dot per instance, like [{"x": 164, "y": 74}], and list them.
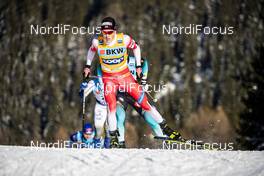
[
  {"x": 153, "y": 124},
  {"x": 107, "y": 135},
  {"x": 100, "y": 113},
  {"x": 110, "y": 89},
  {"x": 164, "y": 126},
  {"x": 121, "y": 115},
  {"x": 136, "y": 91},
  {"x": 146, "y": 115},
  {"x": 110, "y": 98},
  {"x": 139, "y": 95}
]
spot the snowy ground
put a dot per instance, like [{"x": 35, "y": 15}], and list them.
[{"x": 126, "y": 162}]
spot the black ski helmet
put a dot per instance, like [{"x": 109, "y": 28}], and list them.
[{"x": 108, "y": 23}]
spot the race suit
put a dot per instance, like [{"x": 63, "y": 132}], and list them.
[{"x": 116, "y": 75}]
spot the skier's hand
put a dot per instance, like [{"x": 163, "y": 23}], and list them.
[
  {"x": 143, "y": 81},
  {"x": 139, "y": 72},
  {"x": 83, "y": 86},
  {"x": 86, "y": 71}
]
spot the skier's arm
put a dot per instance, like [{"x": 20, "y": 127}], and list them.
[
  {"x": 137, "y": 54},
  {"x": 131, "y": 44},
  {"x": 144, "y": 77},
  {"x": 79, "y": 137},
  {"x": 99, "y": 71},
  {"x": 90, "y": 56},
  {"x": 89, "y": 88},
  {"x": 145, "y": 69},
  {"x": 91, "y": 52},
  {"x": 86, "y": 88}
]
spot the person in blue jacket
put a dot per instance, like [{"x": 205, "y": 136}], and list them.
[
  {"x": 95, "y": 86},
  {"x": 84, "y": 138}
]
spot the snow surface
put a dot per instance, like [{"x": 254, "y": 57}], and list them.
[{"x": 15, "y": 160}]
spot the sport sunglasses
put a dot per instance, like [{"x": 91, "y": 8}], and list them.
[{"x": 108, "y": 32}]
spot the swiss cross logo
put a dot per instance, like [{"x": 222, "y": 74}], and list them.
[{"x": 102, "y": 51}]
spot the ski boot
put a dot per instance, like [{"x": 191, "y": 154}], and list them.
[
  {"x": 106, "y": 142},
  {"x": 97, "y": 143},
  {"x": 173, "y": 135},
  {"x": 114, "y": 139},
  {"x": 122, "y": 144}
]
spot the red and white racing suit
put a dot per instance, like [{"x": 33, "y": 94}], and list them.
[{"x": 116, "y": 75}]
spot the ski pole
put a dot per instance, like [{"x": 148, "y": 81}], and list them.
[
  {"x": 152, "y": 98},
  {"x": 83, "y": 111},
  {"x": 85, "y": 79},
  {"x": 109, "y": 77},
  {"x": 93, "y": 76}
]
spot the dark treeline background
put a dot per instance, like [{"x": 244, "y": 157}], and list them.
[{"x": 214, "y": 83}]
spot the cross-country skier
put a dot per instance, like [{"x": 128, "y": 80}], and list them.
[
  {"x": 84, "y": 138},
  {"x": 112, "y": 51},
  {"x": 124, "y": 100},
  {"x": 100, "y": 110}
]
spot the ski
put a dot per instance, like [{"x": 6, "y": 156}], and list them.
[{"x": 187, "y": 144}]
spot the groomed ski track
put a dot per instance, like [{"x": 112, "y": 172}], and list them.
[{"x": 18, "y": 160}]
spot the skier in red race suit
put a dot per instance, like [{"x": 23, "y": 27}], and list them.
[{"x": 111, "y": 48}]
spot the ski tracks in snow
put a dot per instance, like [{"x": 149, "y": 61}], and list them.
[{"x": 16, "y": 160}]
